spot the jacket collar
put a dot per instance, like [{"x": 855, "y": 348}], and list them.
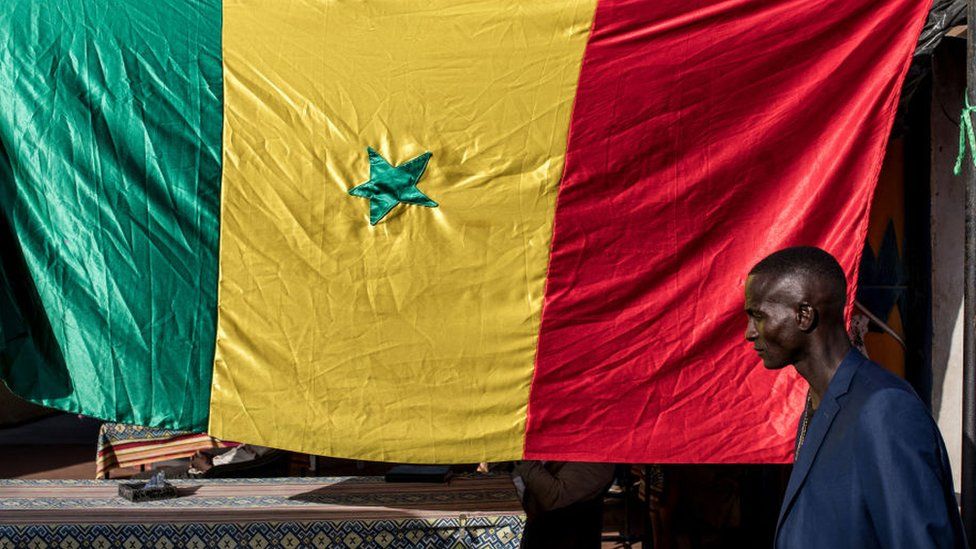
[{"x": 818, "y": 427}]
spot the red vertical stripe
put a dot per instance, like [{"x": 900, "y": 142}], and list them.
[{"x": 705, "y": 135}]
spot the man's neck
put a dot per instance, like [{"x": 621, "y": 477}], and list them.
[{"x": 821, "y": 362}]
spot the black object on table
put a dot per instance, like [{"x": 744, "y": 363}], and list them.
[
  {"x": 156, "y": 488},
  {"x": 419, "y": 473}
]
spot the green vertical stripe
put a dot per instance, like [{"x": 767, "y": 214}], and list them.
[{"x": 110, "y": 126}]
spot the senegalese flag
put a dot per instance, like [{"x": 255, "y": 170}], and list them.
[{"x": 430, "y": 231}]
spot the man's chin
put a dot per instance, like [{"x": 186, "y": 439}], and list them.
[{"x": 772, "y": 364}]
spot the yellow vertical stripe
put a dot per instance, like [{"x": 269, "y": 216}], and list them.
[{"x": 413, "y": 340}]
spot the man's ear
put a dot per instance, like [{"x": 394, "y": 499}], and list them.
[{"x": 806, "y": 317}]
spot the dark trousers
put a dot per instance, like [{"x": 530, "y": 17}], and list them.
[{"x": 578, "y": 526}]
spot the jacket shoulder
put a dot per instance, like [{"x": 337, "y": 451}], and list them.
[
  {"x": 886, "y": 402},
  {"x": 872, "y": 378}
]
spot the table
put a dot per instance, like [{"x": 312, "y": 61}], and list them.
[
  {"x": 472, "y": 511},
  {"x": 121, "y": 445}
]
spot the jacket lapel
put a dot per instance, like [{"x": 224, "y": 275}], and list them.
[{"x": 817, "y": 430}]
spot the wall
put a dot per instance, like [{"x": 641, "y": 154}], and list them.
[{"x": 947, "y": 239}]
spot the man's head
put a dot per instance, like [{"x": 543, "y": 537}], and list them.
[{"x": 793, "y": 297}]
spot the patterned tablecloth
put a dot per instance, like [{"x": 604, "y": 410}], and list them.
[
  {"x": 121, "y": 445},
  {"x": 264, "y": 513}
]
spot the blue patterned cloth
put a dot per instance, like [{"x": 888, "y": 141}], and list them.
[{"x": 263, "y": 513}]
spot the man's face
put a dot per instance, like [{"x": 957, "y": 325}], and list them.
[{"x": 773, "y": 327}]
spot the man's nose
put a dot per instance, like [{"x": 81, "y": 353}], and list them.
[{"x": 751, "y": 332}]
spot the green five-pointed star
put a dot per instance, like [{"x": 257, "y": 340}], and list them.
[{"x": 390, "y": 185}]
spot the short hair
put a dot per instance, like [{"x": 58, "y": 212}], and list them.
[{"x": 809, "y": 261}]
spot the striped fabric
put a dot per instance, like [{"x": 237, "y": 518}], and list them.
[
  {"x": 122, "y": 446},
  {"x": 270, "y": 513}
]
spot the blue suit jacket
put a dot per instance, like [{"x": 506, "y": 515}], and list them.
[{"x": 873, "y": 470}]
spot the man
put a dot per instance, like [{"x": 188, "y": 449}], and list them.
[
  {"x": 563, "y": 502},
  {"x": 871, "y": 468}
]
